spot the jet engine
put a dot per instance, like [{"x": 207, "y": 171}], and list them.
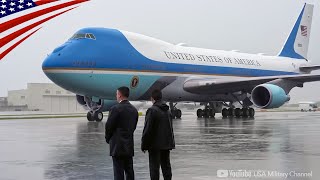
[{"x": 268, "y": 96}]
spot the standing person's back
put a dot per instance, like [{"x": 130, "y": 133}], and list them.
[
  {"x": 120, "y": 126},
  {"x": 158, "y": 137},
  {"x": 121, "y": 142}
]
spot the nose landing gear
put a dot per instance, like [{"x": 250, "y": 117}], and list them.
[
  {"x": 95, "y": 116},
  {"x": 95, "y": 113}
]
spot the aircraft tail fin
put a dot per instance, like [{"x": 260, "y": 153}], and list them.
[{"x": 297, "y": 43}]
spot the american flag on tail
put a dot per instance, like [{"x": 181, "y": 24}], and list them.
[
  {"x": 20, "y": 19},
  {"x": 304, "y": 30}
]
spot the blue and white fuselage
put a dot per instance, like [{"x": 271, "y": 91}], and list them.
[
  {"x": 96, "y": 61},
  {"x": 97, "y": 67}
]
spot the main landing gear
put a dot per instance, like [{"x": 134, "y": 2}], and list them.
[
  {"x": 175, "y": 113},
  {"x": 237, "y": 112},
  {"x": 207, "y": 112}
]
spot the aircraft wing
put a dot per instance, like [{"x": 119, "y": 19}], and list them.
[
  {"x": 309, "y": 68},
  {"x": 235, "y": 84}
]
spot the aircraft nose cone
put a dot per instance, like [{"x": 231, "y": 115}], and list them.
[
  {"x": 54, "y": 68},
  {"x": 50, "y": 62},
  {"x": 58, "y": 58},
  {"x": 59, "y": 48},
  {"x": 48, "y": 65}
]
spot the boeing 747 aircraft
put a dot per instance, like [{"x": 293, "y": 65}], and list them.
[{"x": 94, "y": 62}]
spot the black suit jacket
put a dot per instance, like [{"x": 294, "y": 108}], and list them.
[
  {"x": 120, "y": 126},
  {"x": 158, "y": 132}
]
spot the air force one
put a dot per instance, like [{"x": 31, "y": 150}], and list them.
[{"x": 94, "y": 62}]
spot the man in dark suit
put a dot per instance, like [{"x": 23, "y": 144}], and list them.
[
  {"x": 120, "y": 126},
  {"x": 158, "y": 137}
]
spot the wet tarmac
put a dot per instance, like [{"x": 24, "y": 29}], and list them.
[{"x": 73, "y": 148}]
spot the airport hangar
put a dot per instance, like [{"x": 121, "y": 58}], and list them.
[{"x": 46, "y": 97}]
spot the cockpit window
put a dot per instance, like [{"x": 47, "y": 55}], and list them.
[
  {"x": 78, "y": 36},
  {"x": 92, "y": 36},
  {"x": 82, "y": 36}
]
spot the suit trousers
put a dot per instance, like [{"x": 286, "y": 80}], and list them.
[
  {"x": 159, "y": 158},
  {"x": 123, "y": 165}
]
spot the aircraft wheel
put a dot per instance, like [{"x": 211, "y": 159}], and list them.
[
  {"x": 173, "y": 114},
  {"x": 251, "y": 112},
  {"x": 206, "y": 113},
  {"x": 212, "y": 113},
  {"x": 230, "y": 112},
  {"x": 225, "y": 112},
  {"x": 237, "y": 112},
  {"x": 98, "y": 116},
  {"x": 199, "y": 113},
  {"x": 90, "y": 116},
  {"x": 178, "y": 113},
  {"x": 245, "y": 112}
]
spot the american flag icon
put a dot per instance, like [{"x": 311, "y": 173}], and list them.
[
  {"x": 20, "y": 19},
  {"x": 304, "y": 30}
]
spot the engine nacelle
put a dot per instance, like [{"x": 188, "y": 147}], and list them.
[
  {"x": 103, "y": 105},
  {"x": 269, "y": 96}
]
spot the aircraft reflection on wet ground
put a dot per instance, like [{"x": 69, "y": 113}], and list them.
[{"x": 76, "y": 149}]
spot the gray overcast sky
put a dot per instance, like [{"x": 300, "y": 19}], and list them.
[{"x": 247, "y": 25}]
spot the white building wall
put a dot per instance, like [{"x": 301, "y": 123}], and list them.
[
  {"x": 35, "y": 96},
  {"x": 45, "y": 97},
  {"x": 17, "y": 98},
  {"x": 62, "y": 104}
]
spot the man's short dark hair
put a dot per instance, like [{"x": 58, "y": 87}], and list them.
[
  {"x": 124, "y": 91},
  {"x": 156, "y": 95}
]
